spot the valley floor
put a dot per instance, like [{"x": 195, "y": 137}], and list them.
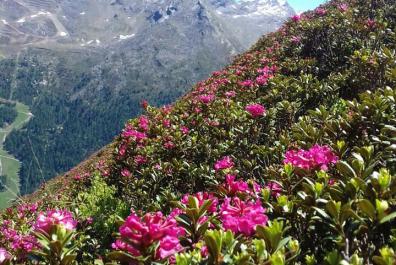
[{"x": 9, "y": 165}]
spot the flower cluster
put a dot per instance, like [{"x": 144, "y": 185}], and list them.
[
  {"x": 224, "y": 163},
  {"x": 138, "y": 234},
  {"x": 234, "y": 187},
  {"x": 242, "y": 217},
  {"x": 47, "y": 221},
  {"x": 317, "y": 157},
  {"x": 4, "y": 256},
  {"x": 256, "y": 110}
]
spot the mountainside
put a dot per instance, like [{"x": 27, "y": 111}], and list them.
[
  {"x": 83, "y": 67},
  {"x": 286, "y": 156}
]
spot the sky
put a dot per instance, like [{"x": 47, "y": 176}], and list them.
[{"x": 304, "y": 5}]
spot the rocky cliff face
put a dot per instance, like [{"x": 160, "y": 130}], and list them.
[
  {"x": 104, "y": 22},
  {"x": 83, "y": 66}
]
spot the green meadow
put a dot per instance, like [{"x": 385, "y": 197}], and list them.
[{"x": 9, "y": 166}]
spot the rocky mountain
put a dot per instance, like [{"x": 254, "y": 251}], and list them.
[
  {"x": 101, "y": 23},
  {"x": 84, "y": 66}
]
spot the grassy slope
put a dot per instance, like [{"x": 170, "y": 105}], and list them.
[
  {"x": 10, "y": 166},
  {"x": 298, "y": 63}
]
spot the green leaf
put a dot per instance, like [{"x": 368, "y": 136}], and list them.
[
  {"x": 345, "y": 169},
  {"x": 367, "y": 208},
  {"x": 388, "y": 218}
]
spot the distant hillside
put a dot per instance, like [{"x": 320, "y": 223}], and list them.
[{"x": 286, "y": 156}]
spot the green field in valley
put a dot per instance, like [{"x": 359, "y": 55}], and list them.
[{"x": 9, "y": 166}]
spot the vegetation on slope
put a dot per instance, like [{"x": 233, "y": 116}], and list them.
[
  {"x": 287, "y": 156},
  {"x": 15, "y": 117}
]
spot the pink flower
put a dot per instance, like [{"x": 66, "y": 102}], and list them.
[
  {"x": 246, "y": 83},
  {"x": 139, "y": 234},
  {"x": 295, "y": 39},
  {"x": 233, "y": 187},
  {"x": 331, "y": 182},
  {"x": 370, "y": 23},
  {"x": 230, "y": 94},
  {"x": 122, "y": 150},
  {"x": 262, "y": 80},
  {"x": 137, "y": 136},
  {"x": 140, "y": 160},
  {"x": 206, "y": 99},
  {"x": 166, "y": 123},
  {"x": 320, "y": 11},
  {"x": 204, "y": 251},
  {"x": 184, "y": 130},
  {"x": 144, "y": 104},
  {"x": 144, "y": 123},
  {"x": 296, "y": 18},
  {"x": 202, "y": 197},
  {"x": 169, "y": 145},
  {"x": 242, "y": 217},
  {"x": 275, "y": 188},
  {"x": 256, "y": 110},
  {"x": 46, "y": 221},
  {"x": 342, "y": 7},
  {"x": 4, "y": 256},
  {"x": 316, "y": 157},
  {"x": 224, "y": 163},
  {"x": 126, "y": 173},
  {"x": 168, "y": 247}
]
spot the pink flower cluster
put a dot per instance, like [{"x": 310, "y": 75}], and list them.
[
  {"x": 47, "y": 221},
  {"x": 206, "y": 99},
  {"x": 320, "y": 11},
  {"x": 242, "y": 217},
  {"x": 296, "y": 18},
  {"x": 234, "y": 187},
  {"x": 144, "y": 123},
  {"x": 18, "y": 242},
  {"x": 4, "y": 256},
  {"x": 138, "y": 234},
  {"x": 256, "y": 110},
  {"x": 133, "y": 134},
  {"x": 224, "y": 163},
  {"x": 316, "y": 157}
]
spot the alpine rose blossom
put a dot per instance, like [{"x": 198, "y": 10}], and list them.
[
  {"x": 275, "y": 189},
  {"x": 184, "y": 130},
  {"x": 126, "y": 173},
  {"x": 129, "y": 132},
  {"x": 224, "y": 163},
  {"x": 46, "y": 221},
  {"x": 242, "y": 217},
  {"x": 144, "y": 123},
  {"x": 296, "y": 18},
  {"x": 141, "y": 233},
  {"x": 316, "y": 157},
  {"x": 4, "y": 256},
  {"x": 233, "y": 187},
  {"x": 320, "y": 11},
  {"x": 206, "y": 99},
  {"x": 256, "y": 110}
]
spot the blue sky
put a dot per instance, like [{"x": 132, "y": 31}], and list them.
[{"x": 303, "y": 5}]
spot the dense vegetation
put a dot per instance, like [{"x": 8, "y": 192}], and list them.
[
  {"x": 7, "y": 114},
  {"x": 287, "y": 156}
]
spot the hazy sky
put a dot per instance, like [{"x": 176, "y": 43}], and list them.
[{"x": 303, "y": 5}]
